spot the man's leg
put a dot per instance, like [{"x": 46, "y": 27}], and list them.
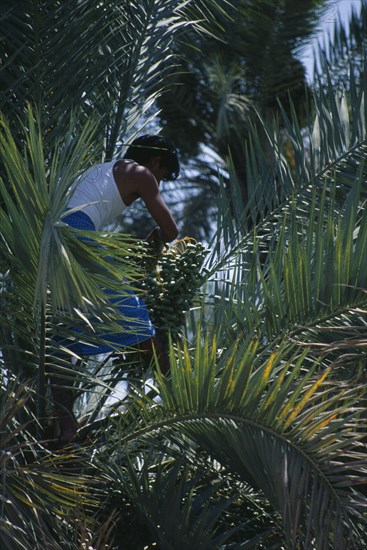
[
  {"x": 62, "y": 381},
  {"x": 154, "y": 346}
]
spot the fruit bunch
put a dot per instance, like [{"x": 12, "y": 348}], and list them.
[{"x": 170, "y": 285}]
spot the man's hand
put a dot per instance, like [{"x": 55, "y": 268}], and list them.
[
  {"x": 155, "y": 236},
  {"x": 156, "y": 243}
]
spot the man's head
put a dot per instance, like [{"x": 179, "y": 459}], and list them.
[{"x": 147, "y": 147}]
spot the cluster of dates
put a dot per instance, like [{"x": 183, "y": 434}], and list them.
[{"x": 170, "y": 285}]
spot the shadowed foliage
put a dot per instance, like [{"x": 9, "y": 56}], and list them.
[{"x": 257, "y": 438}]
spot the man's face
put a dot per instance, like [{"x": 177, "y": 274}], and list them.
[
  {"x": 158, "y": 171},
  {"x": 161, "y": 174}
]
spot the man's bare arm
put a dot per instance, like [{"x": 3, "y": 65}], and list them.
[
  {"x": 158, "y": 209},
  {"x": 135, "y": 181}
]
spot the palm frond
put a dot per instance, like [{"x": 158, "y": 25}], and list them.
[
  {"x": 65, "y": 274},
  {"x": 175, "y": 504},
  {"x": 294, "y": 438},
  {"x": 35, "y": 239},
  {"x": 331, "y": 147},
  {"x": 34, "y": 490},
  {"x": 293, "y": 256},
  {"x": 342, "y": 50},
  {"x": 117, "y": 58}
]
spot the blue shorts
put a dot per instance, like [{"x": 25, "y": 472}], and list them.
[{"x": 135, "y": 323}]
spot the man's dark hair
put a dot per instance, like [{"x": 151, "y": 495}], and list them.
[{"x": 143, "y": 148}]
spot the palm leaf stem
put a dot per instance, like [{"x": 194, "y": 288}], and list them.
[{"x": 41, "y": 369}]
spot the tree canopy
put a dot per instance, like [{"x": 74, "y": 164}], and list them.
[{"x": 257, "y": 438}]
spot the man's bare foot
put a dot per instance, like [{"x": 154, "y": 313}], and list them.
[
  {"x": 66, "y": 437},
  {"x": 68, "y": 429}
]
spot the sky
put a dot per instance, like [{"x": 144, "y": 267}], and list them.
[{"x": 336, "y": 10}]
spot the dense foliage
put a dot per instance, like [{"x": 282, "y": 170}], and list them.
[{"x": 257, "y": 438}]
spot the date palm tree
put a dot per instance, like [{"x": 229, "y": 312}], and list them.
[
  {"x": 212, "y": 102},
  {"x": 258, "y": 436},
  {"x": 75, "y": 80},
  {"x": 104, "y": 60},
  {"x": 267, "y": 401}
]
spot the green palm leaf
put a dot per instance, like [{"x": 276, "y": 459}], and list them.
[
  {"x": 118, "y": 56},
  {"x": 343, "y": 45},
  {"x": 34, "y": 489},
  {"x": 294, "y": 438},
  {"x": 247, "y": 405},
  {"x": 302, "y": 263},
  {"x": 53, "y": 276}
]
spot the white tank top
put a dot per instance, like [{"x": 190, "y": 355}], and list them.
[{"x": 96, "y": 191}]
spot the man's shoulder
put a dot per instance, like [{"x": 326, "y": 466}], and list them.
[
  {"x": 130, "y": 167},
  {"x": 137, "y": 171},
  {"x": 133, "y": 177}
]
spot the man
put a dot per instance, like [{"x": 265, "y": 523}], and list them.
[{"x": 101, "y": 194}]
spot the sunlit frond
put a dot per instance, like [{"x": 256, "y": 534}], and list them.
[{"x": 293, "y": 437}]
